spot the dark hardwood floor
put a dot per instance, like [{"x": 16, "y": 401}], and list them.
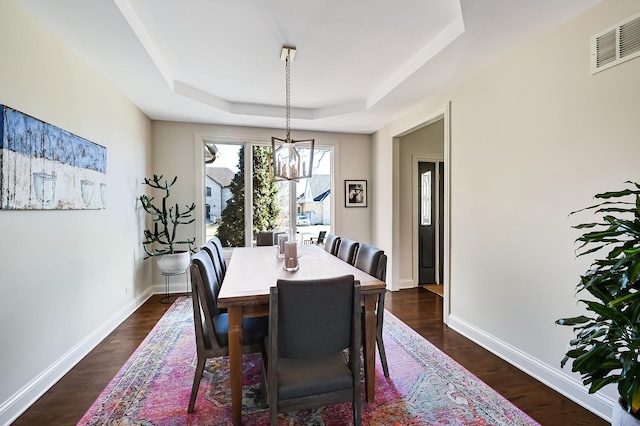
[{"x": 67, "y": 400}]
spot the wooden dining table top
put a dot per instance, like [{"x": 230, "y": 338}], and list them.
[{"x": 252, "y": 271}]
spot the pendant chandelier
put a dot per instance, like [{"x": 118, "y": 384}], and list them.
[{"x": 292, "y": 159}]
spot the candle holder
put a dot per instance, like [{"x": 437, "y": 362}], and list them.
[
  {"x": 291, "y": 256},
  {"x": 282, "y": 239},
  {"x": 291, "y": 265}
]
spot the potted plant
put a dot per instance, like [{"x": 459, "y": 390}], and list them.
[
  {"x": 162, "y": 242},
  {"x": 606, "y": 348}
]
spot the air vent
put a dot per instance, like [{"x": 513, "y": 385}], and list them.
[{"x": 616, "y": 45}]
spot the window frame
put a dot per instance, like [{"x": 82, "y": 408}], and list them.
[{"x": 248, "y": 142}]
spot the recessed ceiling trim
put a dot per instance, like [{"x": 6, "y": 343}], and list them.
[
  {"x": 261, "y": 110},
  {"x": 127, "y": 53},
  {"x": 442, "y": 40},
  {"x": 450, "y": 33},
  {"x": 142, "y": 35},
  {"x": 201, "y": 96}
]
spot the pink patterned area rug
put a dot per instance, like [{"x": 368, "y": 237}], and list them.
[{"x": 426, "y": 387}]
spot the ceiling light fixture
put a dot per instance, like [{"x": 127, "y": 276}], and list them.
[{"x": 292, "y": 159}]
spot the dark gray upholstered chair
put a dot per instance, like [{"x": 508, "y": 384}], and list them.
[
  {"x": 212, "y": 251},
  {"x": 319, "y": 239},
  {"x": 347, "y": 250},
  {"x": 331, "y": 244},
  {"x": 218, "y": 245},
  {"x": 211, "y": 325},
  {"x": 264, "y": 238},
  {"x": 304, "y": 365},
  {"x": 382, "y": 276},
  {"x": 367, "y": 259},
  {"x": 373, "y": 261}
]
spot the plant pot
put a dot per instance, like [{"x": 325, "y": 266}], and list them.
[
  {"x": 621, "y": 417},
  {"x": 174, "y": 263}
]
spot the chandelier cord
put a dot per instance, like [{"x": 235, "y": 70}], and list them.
[{"x": 288, "y": 107}]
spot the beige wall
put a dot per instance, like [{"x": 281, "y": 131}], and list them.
[
  {"x": 68, "y": 277},
  {"x": 533, "y": 137},
  {"x": 424, "y": 143},
  {"x": 174, "y": 154}
]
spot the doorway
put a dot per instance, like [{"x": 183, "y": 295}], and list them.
[
  {"x": 404, "y": 235},
  {"x": 430, "y": 223}
]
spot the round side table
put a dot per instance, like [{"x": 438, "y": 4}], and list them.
[{"x": 167, "y": 297}]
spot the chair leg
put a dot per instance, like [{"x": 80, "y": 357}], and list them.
[
  {"x": 264, "y": 394},
  {"x": 196, "y": 383},
  {"x": 270, "y": 393},
  {"x": 379, "y": 341},
  {"x": 357, "y": 409},
  {"x": 273, "y": 401}
]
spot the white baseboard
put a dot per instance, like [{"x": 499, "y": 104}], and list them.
[
  {"x": 18, "y": 403},
  {"x": 600, "y": 405},
  {"x": 402, "y": 284}
]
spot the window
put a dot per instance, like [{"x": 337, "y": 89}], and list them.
[
  {"x": 425, "y": 199},
  {"x": 225, "y": 182}
]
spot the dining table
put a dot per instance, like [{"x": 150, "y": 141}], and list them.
[{"x": 252, "y": 271}]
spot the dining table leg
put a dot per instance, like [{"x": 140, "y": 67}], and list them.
[
  {"x": 235, "y": 362},
  {"x": 370, "y": 301}
]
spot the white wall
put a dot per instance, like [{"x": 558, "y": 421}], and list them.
[
  {"x": 532, "y": 138},
  {"x": 68, "y": 277},
  {"x": 174, "y": 154}
]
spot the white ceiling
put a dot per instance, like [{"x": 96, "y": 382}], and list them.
[{"x": 360, "y": 64}]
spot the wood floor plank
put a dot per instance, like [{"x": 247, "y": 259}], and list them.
[{"x": 67, "y": 401}]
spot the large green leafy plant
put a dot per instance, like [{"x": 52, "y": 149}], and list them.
[
  {"x": 163, "y": 239},
  {"x": 606, "y": 348}
]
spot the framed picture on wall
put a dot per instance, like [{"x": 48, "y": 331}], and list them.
[{"x": 355, "y": 193}]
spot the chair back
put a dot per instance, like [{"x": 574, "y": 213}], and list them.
[
  {"x": 347, "y": 250},
  {"x": 264, "y": 238},
  {"x": 210, "y": 287},
  {"x": 321, "y": 236},
  {"x": 381, "y": 273},
  {"x": 210, "y": 248},
  {"x": 331, "y": 244},
  {"x": 203, "y": 299},
  {"x": 218, "y": 245},
  {"x": 368, "y": 259},
  {"x": 275, "y": 237},
  {"x": 314, "y": 315}
]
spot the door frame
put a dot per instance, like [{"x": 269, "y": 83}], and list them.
[
  {"x": 441, "y": 113},
  {"x": 415, "y": 160}
]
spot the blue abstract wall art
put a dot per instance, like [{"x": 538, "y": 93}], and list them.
[{"x": 44, "y": 167}]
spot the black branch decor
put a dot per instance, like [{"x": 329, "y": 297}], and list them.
[{"x": 166, "y": 220}]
